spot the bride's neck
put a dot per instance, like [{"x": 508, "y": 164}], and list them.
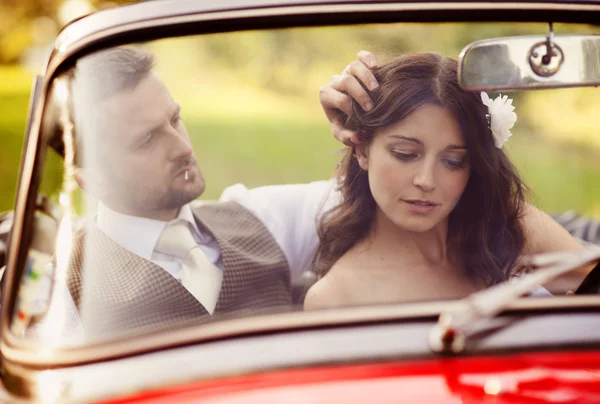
[{"x": 430, "y": 245}]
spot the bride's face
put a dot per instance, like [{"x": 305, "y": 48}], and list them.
[{"x": 418, "y": 168}]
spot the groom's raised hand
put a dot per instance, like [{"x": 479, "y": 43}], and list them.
[{"x": 335, "y": 96}]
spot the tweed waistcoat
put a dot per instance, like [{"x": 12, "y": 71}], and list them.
[{"x": 117, "y": 291}]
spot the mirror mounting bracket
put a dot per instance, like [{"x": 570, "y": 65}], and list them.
[{"x": 546, "y": 58}]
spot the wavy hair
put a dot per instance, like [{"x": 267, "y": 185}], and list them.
[{"x": 484, "y": 229}]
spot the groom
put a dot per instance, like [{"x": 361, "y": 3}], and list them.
[{"x": 130, "y": 269}]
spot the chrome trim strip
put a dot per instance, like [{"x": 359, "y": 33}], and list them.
[
  {"x": 77, "y": 36},
  {"x": 31, "y": 354},
  {"x": 31, "y": 155}
]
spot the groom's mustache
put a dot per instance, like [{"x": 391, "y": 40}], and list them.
[{"x": 184, "y": 164}]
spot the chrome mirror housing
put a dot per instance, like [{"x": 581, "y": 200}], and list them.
[{"x": 531, "y": 62}]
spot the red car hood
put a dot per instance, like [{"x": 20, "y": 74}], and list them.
[{"x": 545, "y": 377}]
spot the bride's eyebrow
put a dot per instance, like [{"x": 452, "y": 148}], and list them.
[
  {"x": 455, "y": 147},
  {"x": 410, "y": 139},
  {"x": 420, "y": 143}
]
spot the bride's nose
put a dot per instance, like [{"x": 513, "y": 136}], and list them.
[{"x": 424, "y": 177}]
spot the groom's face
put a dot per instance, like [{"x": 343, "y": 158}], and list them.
[{"x": 148, "y": 161}]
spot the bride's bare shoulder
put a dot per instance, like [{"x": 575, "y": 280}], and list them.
[
  {"x": 338, "y": 288},
  {"x": 329, "y": 292}
]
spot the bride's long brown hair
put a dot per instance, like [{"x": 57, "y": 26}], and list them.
[{"x": 484, "y": 229}]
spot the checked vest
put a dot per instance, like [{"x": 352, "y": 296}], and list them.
[{"x": 119, "y": 292}]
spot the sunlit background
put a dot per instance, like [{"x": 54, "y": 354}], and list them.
[
  {"x": 269, "y": 82},
  {"x": 27, "y": 31}
]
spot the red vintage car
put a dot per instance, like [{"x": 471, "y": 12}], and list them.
[{"x": 85, "y": 318}]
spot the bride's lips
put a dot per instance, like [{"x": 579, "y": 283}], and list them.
[{"x": 421, "y": 206}]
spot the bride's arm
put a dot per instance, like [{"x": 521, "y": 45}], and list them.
[{"x": 543, "y": 234}]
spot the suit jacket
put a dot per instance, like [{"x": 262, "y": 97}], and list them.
[{"x": 117, "y": 291}]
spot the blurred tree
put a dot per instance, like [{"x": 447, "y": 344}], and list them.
[
  {"x": 27, "y": 23},
  {"x": 280, "y": 59}
]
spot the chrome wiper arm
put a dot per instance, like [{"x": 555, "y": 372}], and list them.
[{"x": 450, "y": 332}]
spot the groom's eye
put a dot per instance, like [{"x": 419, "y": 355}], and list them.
[
  {"x": 146, "y": 141},
  {"x": 175, "y": 120}
]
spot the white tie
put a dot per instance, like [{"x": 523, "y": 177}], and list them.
[{"x": 201, "y": 278}]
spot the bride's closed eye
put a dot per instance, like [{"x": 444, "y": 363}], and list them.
[
  {"x": 455, "y": 163},
  {"x": 456, "y": 160},
  {"x": 403, "y": 156}
]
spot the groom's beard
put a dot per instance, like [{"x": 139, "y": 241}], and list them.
[{"x": 140, "y": 195}]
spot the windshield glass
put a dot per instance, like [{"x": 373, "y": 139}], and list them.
[{"x": 202, "y": 179}]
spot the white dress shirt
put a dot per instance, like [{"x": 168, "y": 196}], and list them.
[{"x": 289, "y": 212}]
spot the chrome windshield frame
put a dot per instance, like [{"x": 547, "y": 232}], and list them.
[{"x": 156, "y": 20}]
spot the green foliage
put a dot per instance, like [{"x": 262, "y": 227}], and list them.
[
  {"x": 29, "y": 23},
  {"x": 14, "y": 98},
  {"x": 250, "y": 102}
]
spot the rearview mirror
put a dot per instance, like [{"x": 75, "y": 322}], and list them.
[{"x": 531, "y": 62}]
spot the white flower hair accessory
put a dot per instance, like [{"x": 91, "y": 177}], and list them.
[{"x": 501, "y": 117}]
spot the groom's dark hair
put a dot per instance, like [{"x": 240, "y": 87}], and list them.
[
  {"x": 99, "y": 76},
  {"x": 110, "y": 72},
  {"x": 485, "y": 235}
]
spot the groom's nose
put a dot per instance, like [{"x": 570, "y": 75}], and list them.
[{"x": 179, "y": 145}]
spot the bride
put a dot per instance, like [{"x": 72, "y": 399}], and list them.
[{"x": 432, "y": 207}]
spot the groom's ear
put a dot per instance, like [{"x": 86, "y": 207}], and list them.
[
  {"x": 92, "y": 181},
  {"x": 361, "y": 151}
]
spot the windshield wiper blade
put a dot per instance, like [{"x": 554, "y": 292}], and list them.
[{"x": 450, "y": 332}]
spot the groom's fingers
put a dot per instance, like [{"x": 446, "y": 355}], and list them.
[
  {"x": 367, "y": 58},
  {"x": 334, "y": 104},
  {"x": 342, "y": 134},
  {"x": 336, "y": 96},
  {"x": 334, "y": 101},
  {"x": 347, "y": 83},
  {"x": 359, "y": 69}
]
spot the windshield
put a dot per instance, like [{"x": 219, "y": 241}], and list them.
[{"x": 266, "y": 171}]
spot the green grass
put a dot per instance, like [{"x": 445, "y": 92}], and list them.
[
  {"x": 258, "y": 152},
  {"x": 271, "y": 142},
  {"x": 561, "y": 176},
  {"x": 14, "y": 98},
  {"x": 13, "y": 112},
  {"x": 262, "y": 152}
]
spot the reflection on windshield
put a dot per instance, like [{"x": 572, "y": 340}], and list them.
[{"x": 178, "y": 223}]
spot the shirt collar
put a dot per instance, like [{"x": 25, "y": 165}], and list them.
[{"x": 138, "y": 234}]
